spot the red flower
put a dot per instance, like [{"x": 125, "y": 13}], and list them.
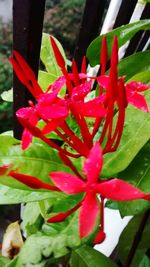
[
  {"x": 134, "y": 97},
  {"x": 133, "y": 90},
  {"x": 113, "y": 189}
]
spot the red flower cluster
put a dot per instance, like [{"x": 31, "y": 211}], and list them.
[{"x": 114, "y": 95}]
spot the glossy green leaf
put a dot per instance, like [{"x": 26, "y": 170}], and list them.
[
  {"x": 9, "y": 195},
  {"x": 47, "y": 55},
  {"x": 134, "y": 64},
  {"x": 135, "y": 135},
  {"x": 67, "y": 202},
  {"x": 38, "y": 160},
  {"x": 45, "y": 79},
  {"x": 127, "y": 237},
  {"x": 138, "y": 174},
  {"x": 124, "y": 33},
  {"x": 86, "y": 256},
  {"x": 6, "y": 140},
  {"x": 143, "y": 76}
]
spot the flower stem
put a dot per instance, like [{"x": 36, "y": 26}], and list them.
[{"x": 137, "y": 239}]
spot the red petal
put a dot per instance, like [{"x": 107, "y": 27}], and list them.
[
  {"x": 57, "y": 85},
  {"x": 88, "y": 214},
  {"x": 59, "y": 58},
  {"x": 91, "y": 108},
  {"x": 80, "y": 91},
  {"x": 25, "y": 112},
  {"x": 93, "y": 164},
  {"x": 4, "y": 169},
  {"x": 137, "y": 86},
  {"x": 147, "y": 197},
  {"x": 100, "y": 237},
  {"x": 137, "y": 100},
  {"x": 103, "y": 56},
  {"x": 52, "y": 112},
  {"x": 29, "y": 74},
  {"x": 30, "y": 115},
  {"x": 52, "y": 125},
  {"x": 84, "y": 65},
  {"x": 18, "y": 71},
  {"x": 47, "y": 98},
  {"x": 119, "y": 190},
  {"x": 26, "y": 139},
  {"x": 32, "y": 181},
  {"x": 67, "y": 183},
  {"x": 103, "y": 81},
  {"x": 75, "y": 72}
]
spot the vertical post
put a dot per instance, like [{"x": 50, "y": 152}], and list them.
[
  {"x": 140, "y": 39},
  {"x": 125, "y": 12},
  {"x": 92, "y": 18},
  {"x": 27, "y": 32}
]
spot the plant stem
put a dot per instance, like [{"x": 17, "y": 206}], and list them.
[
  {"x": 65, "y": 262},
  {"x": 137, "y": 239}
]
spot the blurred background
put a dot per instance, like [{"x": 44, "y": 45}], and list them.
[{"x": 62, "y": 19}]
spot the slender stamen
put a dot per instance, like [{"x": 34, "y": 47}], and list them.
[{"x": 80, "y": 146}]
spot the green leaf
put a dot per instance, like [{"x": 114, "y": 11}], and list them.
[
  {"x": 31, "y": 219},
  {"x": 127, "y": 237},
  {"x": 47, "y": 56},
  {"x": 145, "y": 262},
  {"x": 45, "y": 79},
  {"x": 9, "y": 195},
  {"x": 3, "y": 261},
  {"x": 60, "y": 205},
  {"x": 134, "y": 138},
  {"x": 7, "y": 140},
  {"x": 38, "y": 160},
  {"x": 39, "y": 247},
  {"x": 12, "y": 263},
  {"x": 86, "y": 256},
  {"x": 143, "y": 76},
  {"x": 138, "y": 174},
  {"x": 134, "y": 64},
  {"x": 7, "y": 95},
  {"x": 124, "y": 33}
]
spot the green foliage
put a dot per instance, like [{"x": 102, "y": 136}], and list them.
[
  {"x": 124, "y": 33},
  {"x": 40, "y": 247},
  {"x": 39, "y": 160},
  {"x": 138, "y": 174},
  {"x": 126, "y": 240},
  {"x": 3, "y": 261},
  {"x": 31, "y": 219},
  {"x": 135, "y": 124},
  {"x": 86, "y": 256},
  {"x": 45, "y": 78},
  {"x": 9, "y": 195},
  {"x": 134, "y": 64}
]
